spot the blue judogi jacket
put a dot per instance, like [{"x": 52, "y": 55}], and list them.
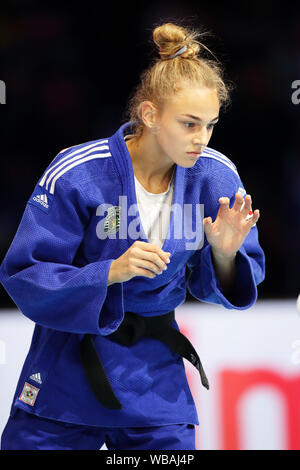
[{"x": 56, "y": 269}]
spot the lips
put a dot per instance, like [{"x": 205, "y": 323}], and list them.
[{"x": 194, "y": 154}]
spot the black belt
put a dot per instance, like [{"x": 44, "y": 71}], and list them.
[{"x": 129, "y": 332}]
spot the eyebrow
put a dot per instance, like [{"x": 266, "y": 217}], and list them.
[{"x": 198, "y": 119}]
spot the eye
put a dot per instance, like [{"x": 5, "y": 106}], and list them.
[
  {"x": 189, "y": 125},
  {"x": 211, "y": 126}
]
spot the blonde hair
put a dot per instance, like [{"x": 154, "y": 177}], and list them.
[{"x": 167, "y": 75}]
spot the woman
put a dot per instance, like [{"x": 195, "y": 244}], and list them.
[{"x": 98, "y": 263}]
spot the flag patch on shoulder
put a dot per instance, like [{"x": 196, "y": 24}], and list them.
[
  {"x": 41, "y": 199},
  {"x": 29, "y": 394}
]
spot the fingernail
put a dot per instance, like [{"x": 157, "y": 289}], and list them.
[{"x": 167, "y": 261}]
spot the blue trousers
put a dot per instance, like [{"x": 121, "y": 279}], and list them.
[{"x": 26, "y": 431}]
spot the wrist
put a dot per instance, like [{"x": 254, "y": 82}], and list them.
[
  {"x": 225, "y": 270},
  {"x": 110, "y": 277},
  {"x": 223, "y": 258}
]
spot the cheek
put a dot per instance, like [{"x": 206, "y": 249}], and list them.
[{"x": 170, "y": 140}]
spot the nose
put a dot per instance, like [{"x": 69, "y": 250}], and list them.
[{"x": 201, "y": 139}]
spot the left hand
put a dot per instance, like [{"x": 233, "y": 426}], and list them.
[{"x": 228, "y": 232}]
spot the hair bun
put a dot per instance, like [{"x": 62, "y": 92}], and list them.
[
  {"x": 170, "y": 38},
  {"x": 167, "y": 76}
]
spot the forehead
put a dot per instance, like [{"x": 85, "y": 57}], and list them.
[{"x": 199, "y": 101}]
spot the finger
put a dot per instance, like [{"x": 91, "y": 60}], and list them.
[
  {"x": 145, "y": 246},
  {"x": 247, "y": 206},
  {"x": 238, "y": 203},
  {"x": 224, "y": 204},
  {"x": 144, "y": 272},
  {"x": 253, "y": 218},
  {"x": 207, "y": 222},
  {"x": 142, "y": 263},
  {"x": 151, "y": 257}
]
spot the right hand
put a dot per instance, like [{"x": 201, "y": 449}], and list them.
[{"x": 141, "y": 259}]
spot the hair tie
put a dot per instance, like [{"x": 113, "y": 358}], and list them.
[{"x": 181, "y": 51}]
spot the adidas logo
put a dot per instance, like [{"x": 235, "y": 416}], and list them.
[
  {"x": 42, "y": 199},
  {"x": 36, "y": 377}
]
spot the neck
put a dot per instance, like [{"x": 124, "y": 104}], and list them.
[{"x": 149, "y": 165}]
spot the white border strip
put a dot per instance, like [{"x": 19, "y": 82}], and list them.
[
  {"x": 75, "y": 152},
  {"x": 217, "y": 154},
  {"x": 77, "y": 157},
  {"x": 222, "y": 161},
  {"x": 77, "y": 162}
]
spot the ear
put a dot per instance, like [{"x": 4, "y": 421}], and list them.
[{"x": 149, "y": 115}]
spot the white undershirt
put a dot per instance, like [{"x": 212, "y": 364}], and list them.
[{"x": 155, "y": 210}]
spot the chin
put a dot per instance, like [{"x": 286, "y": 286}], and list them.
[{"x": 187, "y": 164}]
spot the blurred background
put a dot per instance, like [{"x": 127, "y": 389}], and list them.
[{"x": 69, "y": 69}]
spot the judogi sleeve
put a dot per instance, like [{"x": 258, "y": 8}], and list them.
[
  {"x": 38, "y": 271},
  {"x": 202, "y": 281}
]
